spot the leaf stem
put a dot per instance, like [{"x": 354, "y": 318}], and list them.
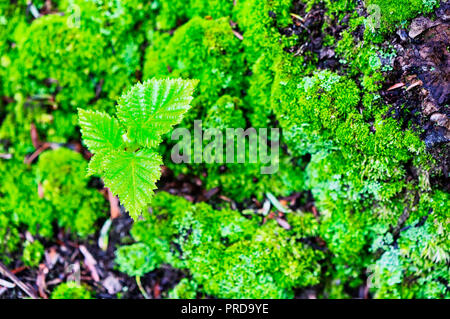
[{"x": 141, "y": 288}]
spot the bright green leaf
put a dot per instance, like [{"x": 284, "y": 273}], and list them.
[{"x": 132, "y": 176}]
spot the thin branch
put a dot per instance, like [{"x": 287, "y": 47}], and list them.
[{"x": 28, "y": 290}]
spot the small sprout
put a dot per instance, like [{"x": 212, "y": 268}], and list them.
[{"x": 124, "y": 146}]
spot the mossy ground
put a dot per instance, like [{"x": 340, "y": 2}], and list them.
[{"x": 363, "y": 167}]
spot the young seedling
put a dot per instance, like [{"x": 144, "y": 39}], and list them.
[
  {"x": 124, "y": 146},
  {"x": 136, "y": 260}
]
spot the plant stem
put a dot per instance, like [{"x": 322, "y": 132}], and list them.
[{"x": 141, "y": 288}]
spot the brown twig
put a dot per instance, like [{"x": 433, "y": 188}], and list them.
[
  {"x": 28, "y": 290},
  {"x": 28, "y": 160},
  {"x": 113, "y": 205}
]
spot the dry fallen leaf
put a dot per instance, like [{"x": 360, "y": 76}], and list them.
[
  {"x": 283, "y": 223},
  {"x": 421, "y": 24},
  {"x": 90, "y": 262},
  {"x": 156, "y": 291},
  {"x": 35, "y": 140},
  {"x": 396, "y": 86}
]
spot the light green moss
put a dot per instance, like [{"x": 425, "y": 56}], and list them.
[
  {"x": 185, "y": 289},
  {"x": 228, "y": 255},
  {"x": 62, "y": 174},
  {"x": 71, "y": 290},
  {"x": 32, "y": 253},
  {"x": 136, "y": 260},
  {"x": 173, "y": 12}
]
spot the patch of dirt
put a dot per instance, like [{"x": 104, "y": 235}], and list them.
[{"x": 69, "y": 260}]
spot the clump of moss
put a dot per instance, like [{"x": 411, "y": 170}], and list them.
[
  {"x": 32, "y": 253},
  {"x": 228, "y": 255},
  {"x": 20, "y": 201},
  {"x": 13, "y": 21},
  {"x": 327, "y": 124},
  {"x": 123, "y": 26},
  {"x": 225, "y": 113},
  {"x": 136, "y": 259},
  {"x": 9, "y": 238},
  {"x": 357, "y": 161},
  {"x": 414, "y": 263},
  {"x": 260, "y": 22},
  {"x": 62, "y": 174},
  {"x": 68, "y": 70},
  {"x": 71, "y": 290},
  {"x": 173, "y": 12},
  {"x": 201, "y": 49}
]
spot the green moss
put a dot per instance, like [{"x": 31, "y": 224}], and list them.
[
  {"x": 321, "y": 117},
  {"x": 415, "y": 265},
  {"x": 225, "y": 113},
  {"x": 201, "y": 49},
  {"x": 228, "y": 255},
  {"x": 71, "y": 290},
  {"x": 32, "y": 253},
  {"x": 258, "y": 96},
  {"x": 20, "y": 201},
  {"x": 397, "y": 13},
  {"x": 261, "y": 34}
]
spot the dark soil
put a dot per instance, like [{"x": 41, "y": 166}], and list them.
[
  {"x": 66, "y": 260},
  {"x": 422, "y": 65}
]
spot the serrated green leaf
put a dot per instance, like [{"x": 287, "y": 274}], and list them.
[
  {"x": 132, "y": 176},
  {"x": 100, "y": 131},
  {"x": 95, "y": 164},
  {"x": 150, "y": 109}
]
